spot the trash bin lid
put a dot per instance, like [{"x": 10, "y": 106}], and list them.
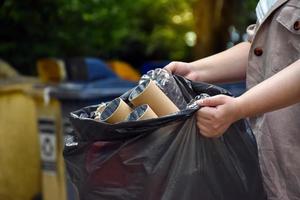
[{"x": 83, "y": 91}]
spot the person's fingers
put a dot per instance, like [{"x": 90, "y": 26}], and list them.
[
  {"x": 205, "y": 125},
  {"x": 202, "y": 120},
  {"x": 213, "y": 101},
  {"x": 211, "y": 126},
  {"x": 202, "y": 129},
  {"x": 171, "y": 67},
  {"x": 205, "y": 131},
  {"x": 191, "y": 76},
  {"x": 206, "y": 113}
]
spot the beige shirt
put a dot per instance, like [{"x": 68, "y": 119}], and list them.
[{"x": 276, "y": 45}]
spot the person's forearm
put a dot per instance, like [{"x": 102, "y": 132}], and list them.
[
  {"x": 280, "y": 90},
  {"x": 227, "y": 66}
]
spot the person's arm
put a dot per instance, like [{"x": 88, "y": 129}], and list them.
[
  {"x": 227, "y": 66},
  {"x": 279, "y": 91}
]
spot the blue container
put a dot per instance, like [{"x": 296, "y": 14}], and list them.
[
  {"x": 87, "y": 69},
  {"x": 147, "y": 66},
  {"x": 112, "y": 83}
]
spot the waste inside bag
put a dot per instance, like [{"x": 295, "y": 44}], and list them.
[
  {"x": 142, "y": 112},
  {"x": 116, "y": 111},
  {"x": 147, "y": 92},
  {"x": 163, "y": 158},
  {"x": 167, "y": 84}
]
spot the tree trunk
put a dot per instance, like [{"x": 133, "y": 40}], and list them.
[{"x": 212, "y": 20}]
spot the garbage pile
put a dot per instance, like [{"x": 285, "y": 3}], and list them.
[{"x": 145, "y": 145}]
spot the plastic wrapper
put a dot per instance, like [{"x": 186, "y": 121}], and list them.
[
  {"x": 193, "y": 102},
  {"x": 164, "y": 158},
  {"x": 167, "y": 84},
  {"x": 97, "y": 114}
]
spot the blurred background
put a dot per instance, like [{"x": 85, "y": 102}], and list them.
[
  {"x": 57, "y": 56},
  {"x": 134, "y": 32}
]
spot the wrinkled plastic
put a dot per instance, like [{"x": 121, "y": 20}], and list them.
[
  {"x": 193, "y": 102},
  {"x": 164, "y": 158},
  {"x": 98, "y": 112},
  {"x": 167, "y": 84}
]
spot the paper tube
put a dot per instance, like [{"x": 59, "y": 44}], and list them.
[
  {"x": 149, "y": 93},
  {"x": 116, "y": 111},
  {"x": 142, "y": 112}
]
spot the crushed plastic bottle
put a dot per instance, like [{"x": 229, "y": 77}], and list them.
[{"x": 96, "y": 114}]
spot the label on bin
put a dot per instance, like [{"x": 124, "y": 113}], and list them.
[{"x": 48, "y": 144}]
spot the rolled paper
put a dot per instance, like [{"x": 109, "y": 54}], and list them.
[
  {"x": 149, "y": 93},
  {"x": 142, "y": 112},
  {"x": 116, "y": 111}
]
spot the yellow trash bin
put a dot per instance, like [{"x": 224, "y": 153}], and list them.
[
  {"x": 54, "y": 104},
  {"x": 20, "y": 177},
  {"x": 51, "y": 70},
  {"x": 49, "y": 122}
]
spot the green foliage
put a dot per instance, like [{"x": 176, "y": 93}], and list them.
[
  {"x": 133, "y": 31},
  {"x": 124, "y": 29}
]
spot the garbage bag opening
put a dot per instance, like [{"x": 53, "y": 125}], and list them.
[{"x": 163, "y": 158}]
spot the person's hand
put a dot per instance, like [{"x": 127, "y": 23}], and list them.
[
  {"x": 218, "y": 113},
  {"x": 183, "y": 69}
]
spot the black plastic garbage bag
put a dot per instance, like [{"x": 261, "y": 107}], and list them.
[{"x": 164, "y": 158}]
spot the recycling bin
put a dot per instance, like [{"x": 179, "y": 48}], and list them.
[
  {"x": 54, "y": 103},
  {"x": 82, "y": 69},
  {"x": 20, "y": 175}
]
